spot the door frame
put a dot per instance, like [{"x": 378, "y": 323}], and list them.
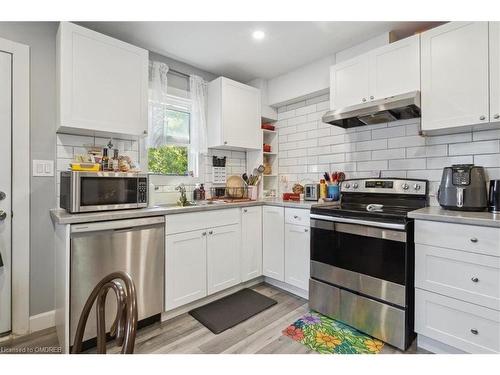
[{"x": 21, "y": 173}]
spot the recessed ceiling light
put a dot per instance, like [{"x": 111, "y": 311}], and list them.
[{"x": 258, "y": 35}]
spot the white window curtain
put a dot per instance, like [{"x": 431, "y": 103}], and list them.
[
  {"x": 158, "y": 98},
  {"x": 198, "y": 129}
]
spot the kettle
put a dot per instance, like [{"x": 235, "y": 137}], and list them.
[{"x": 463, "y": 188}]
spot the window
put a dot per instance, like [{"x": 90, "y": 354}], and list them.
[{"x": 169, "y": 137}]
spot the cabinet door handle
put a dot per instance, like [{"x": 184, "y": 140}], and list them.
[
  {"x": 482, "y": 118},
  {"x": 225, "y": 142},
  {"x": 372, "y": 97},
  {"x": 211, "y": 232},
  {"x": 474, "y": 279},
  {"x": 497, "y": 116},
  {"x": 245, "y": 210},
  {"x": 204, "y": 234},
  {"x": 295, "y": 217},
  {"x": 474, "y": 240},
  {"x": 306, "y": 230},
  {"x": 474, "y": 331},
  {"x": 363, "y": 100}
]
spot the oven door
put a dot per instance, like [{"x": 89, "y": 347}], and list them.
[
  {"x": 105, "y": 191},
  {"x": 358, "y": 256}
]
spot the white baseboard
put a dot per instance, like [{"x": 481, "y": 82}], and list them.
[
  {"x": 436, "y": 347},
  {"x": 42, "y": 321},
  {"x": 287, "y": 287}
]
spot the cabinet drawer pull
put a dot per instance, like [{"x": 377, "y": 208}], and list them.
[
  {"x": 364, "y": 100},
  {"x": 295, "y": 217},
  {"x": 473, "y": 239},
  {"x": 306, "y": 230},
  {"x": 372, "y": 97},
  {"x": 475, "y": 279},
  {"x": 474, "y": 331},
  {"x": 497, "y": 116},
  {"x": 245, "y": 210},
  {"x": 482, "y": 118},
  {"x": 204, "y": 234},
  {"x": 211, "y": 232}
]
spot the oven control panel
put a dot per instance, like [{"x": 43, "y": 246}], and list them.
[{"x": 384, "y": 185}]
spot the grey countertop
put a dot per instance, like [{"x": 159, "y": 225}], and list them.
[
  {"x": 60, "y": 216},
  {"x": 486, "y": 219}
]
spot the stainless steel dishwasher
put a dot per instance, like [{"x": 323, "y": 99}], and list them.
[{"x": 136, "y": 246}]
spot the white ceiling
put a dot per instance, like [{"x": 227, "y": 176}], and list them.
[{"x": 227, "y": 48}]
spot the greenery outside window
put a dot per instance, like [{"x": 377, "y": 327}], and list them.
[{"x": 169, "y": 137}]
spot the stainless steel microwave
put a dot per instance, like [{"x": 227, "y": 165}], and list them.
[{"x": 102, "y": 191}]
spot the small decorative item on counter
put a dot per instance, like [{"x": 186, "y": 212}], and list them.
[
  {"x": 85, "y": 167},
  {"x": 116, "y": 161},
  {"x": 266, "y": 147},
  {"x": 268, "y": 126},
  {"x": 298, "y": 189},
  {"x": 291, "y": 197},
  {"x": 268, "y": 169},
  {"x": 322, "y": 189}
]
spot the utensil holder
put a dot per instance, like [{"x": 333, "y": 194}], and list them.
[{"x": 253, "y": 192}]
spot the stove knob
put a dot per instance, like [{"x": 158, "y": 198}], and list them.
[
  {"x": 405, "y": 186},
  {"x": 355, "y": 186},
  {"x": 347, "y": 186},
  {"x": 416, "y": 187}
]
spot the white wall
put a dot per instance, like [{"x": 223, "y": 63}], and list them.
[{"x": 314, "y": 78}]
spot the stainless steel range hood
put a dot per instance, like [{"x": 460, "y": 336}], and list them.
[{"x": 398, "y": 107}]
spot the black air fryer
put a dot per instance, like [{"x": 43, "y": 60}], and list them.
[{"x": 463, "y": 188}]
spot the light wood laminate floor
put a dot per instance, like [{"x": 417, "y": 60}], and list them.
[{"x": 185, "y": 335}]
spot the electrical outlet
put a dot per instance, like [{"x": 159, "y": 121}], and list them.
[{"x": 43, "y": 168}]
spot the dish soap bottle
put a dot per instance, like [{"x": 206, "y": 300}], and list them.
[{"x": 322, "y": 189}]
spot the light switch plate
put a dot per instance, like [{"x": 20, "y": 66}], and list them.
[{"x": 43, "y": 168}]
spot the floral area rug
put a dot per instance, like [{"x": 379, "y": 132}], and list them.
[{"x": 326, "y": 335}]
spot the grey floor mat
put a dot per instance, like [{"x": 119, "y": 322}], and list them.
[{"x": 231, "y": 310}]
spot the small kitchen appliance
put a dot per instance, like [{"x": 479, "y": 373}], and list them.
[
  {"x": 103, "y": 191},
  {"x": 362, "y": 257},
  {"x": 494, "y": 197},
  {"x": 311, "y": 192},
  {"x": 463, "y": 188}
]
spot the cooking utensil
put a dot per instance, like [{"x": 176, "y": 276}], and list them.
[{"x": 244, "y": 176}]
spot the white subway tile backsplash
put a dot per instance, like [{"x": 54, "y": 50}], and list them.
[
  {"x": 377, "y": 165},
  {"x": 394, "y": 153},
  {"x": 407, "y": 164},
  {"x": 392, "y": 149},
  {"x": 397, "y": 131},
  {"x": 434, "y": 163},
  {"x": 471, "y": 148},
  {"x": 378, "y": 144},
  {"x": 412, "y": 140},
  {"x": 487, "y": 160}
]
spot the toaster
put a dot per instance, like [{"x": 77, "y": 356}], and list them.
[
  {"x": 311, "y": 192},
  {"x": 463, "y": 188}
]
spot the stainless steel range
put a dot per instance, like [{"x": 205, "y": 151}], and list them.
[{"x": 362, "y": 257}]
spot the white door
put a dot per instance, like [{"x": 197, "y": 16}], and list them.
[
  {"x": 350, "y": 82},
  {"x": 251, "y": 243},
  {"x": 273, "y": 242},
  {"x": 494, "y": 71},
  {"x": 5, "y": 190},
  {"x": 185, "y": 268},
  {"x": 240, "y": 115},
  {"x": 395, "y": 68},
  {"x": 454, "y": 75},
  {"x": 223, "y": 257},
  {"x": 297, "y": 257}
]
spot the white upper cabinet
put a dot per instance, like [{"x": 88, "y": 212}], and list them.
[
  {"x": 251, "y": 243},
  {"x": 455, "y": 76},
  {"x": 395, "y": 68},
  {"x": 234, "y": 116},
  {"x": 494, "y": 71},
  {"x": 102, "y": 83},
  {"x": 349, "y": 83},
  {"x": 386, "y": 71}
]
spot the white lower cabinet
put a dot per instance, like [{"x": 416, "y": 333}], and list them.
[
  {"x": 223, "y": 258},
  {"x": 273, "y": 236},
  {"x": 185, "y": 268},
  {"x": 297, "y": 256},
  {"x": 457, "y": 280},
  {"x": 251, "y": 243}
]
